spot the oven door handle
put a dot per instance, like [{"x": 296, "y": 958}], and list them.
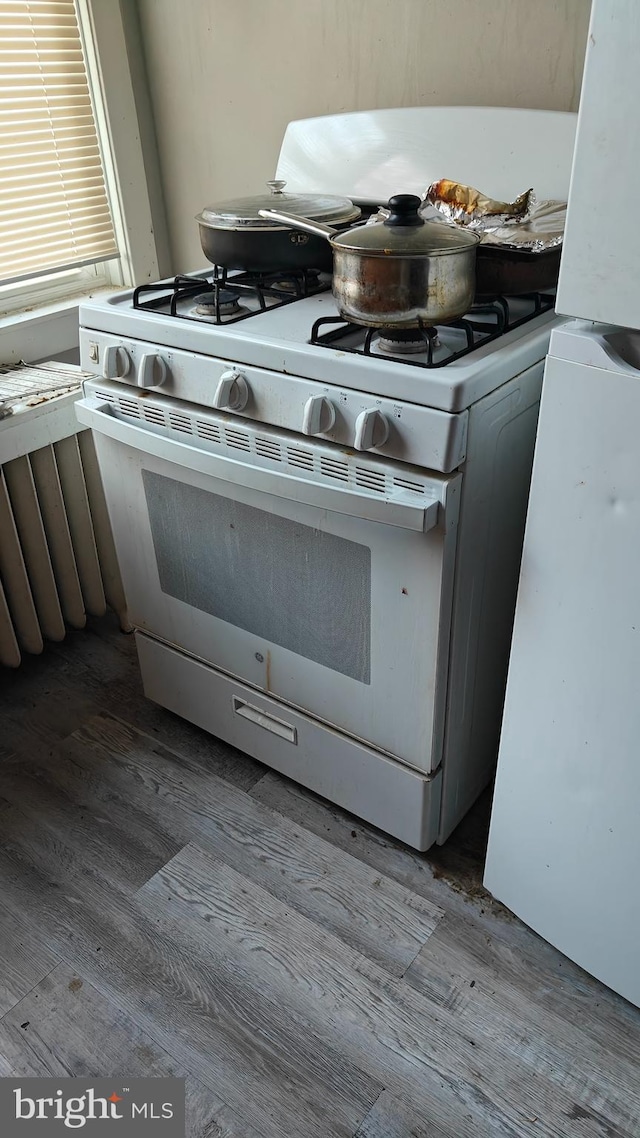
[{"x": 402, "y": 508}]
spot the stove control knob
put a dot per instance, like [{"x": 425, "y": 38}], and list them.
[
  {"x": 152, "y": 371},
  {"x": 116, "y": 362},
  {"x": 319, "y": 415},
  {"x": 372, "y": 430},
  {"x": 232, "y": 392}
]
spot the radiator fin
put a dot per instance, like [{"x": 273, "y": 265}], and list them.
[
  {"x": 76, "y": 500},
  {"x": 9, "y": 650},
  {"x": 13, "y": 573},
  {"x": 56, "y": 525},
  {"x": 57, "y": 557},
  {"x": 33, "y": 542},
  {"x": 107, "y": 557}
]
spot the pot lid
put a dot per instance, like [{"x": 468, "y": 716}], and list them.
[
  {"x": 404, "y": 233},
  {"x": 243, "y": 213}
]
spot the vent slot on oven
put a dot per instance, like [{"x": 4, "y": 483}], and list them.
[
  {"x": 129, "y": 407},
  {"x": 239, "y": 440},
  {"x": 180, "y": 422},
  {"x": 268, "y": 448},
  {"x": 408, "y": 484},
  {"x": 208, "y": 431},
  {"x": 334, "y": 469},
  {"x": 299, "y": 457},
  {"x": 371, "y": 479},
  {"x": 378, "y": 481},
  {"x": 153, "y": 414}
]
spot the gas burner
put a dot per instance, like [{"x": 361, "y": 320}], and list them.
[
  {"x": 294, "y": 284},
  {"x": 219, "y": 301},
  {"x": 220, "y": 298},
  {"x": 407, "y": 341},
  {"x": 432, "y": 347}
]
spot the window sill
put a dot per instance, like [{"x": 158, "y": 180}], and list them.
[{"x": 43, "y": 333}]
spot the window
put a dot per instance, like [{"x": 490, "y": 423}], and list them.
[
  {"x": 54, "y": 211},
  {"x": 69, "y": 126}
]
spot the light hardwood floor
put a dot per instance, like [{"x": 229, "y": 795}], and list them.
[{"x": 169, "y": 906}]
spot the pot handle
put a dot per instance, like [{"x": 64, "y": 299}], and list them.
[{"x": 294, "y": 221}]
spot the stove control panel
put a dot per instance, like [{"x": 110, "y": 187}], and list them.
[{"x": 423, "y": 436}]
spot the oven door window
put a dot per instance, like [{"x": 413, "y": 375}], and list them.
[{"x": 286, "y": 583}]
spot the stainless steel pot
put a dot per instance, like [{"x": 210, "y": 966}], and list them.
[
  {"x": 233, "y": 233},
  {"x": 403, "y": 273}
]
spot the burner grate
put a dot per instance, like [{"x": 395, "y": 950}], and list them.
[
  {"x": 219, "y": 298},
  {"x": 482, "y": 324}
]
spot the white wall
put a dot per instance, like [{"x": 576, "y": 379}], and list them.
[{"x": 226, "y": 76}]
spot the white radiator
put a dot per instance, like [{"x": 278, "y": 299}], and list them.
[{"x": 57, "y": 558}]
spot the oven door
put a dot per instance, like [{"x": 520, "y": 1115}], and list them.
[{"x": 330, "y": 596}]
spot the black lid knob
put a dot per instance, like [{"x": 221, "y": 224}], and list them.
[{"x": 404, "y": 210}]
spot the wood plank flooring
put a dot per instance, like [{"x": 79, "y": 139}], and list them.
[{"x": 169, "y": 906}]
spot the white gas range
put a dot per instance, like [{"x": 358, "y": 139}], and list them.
[{"x": 319, "y": 532}]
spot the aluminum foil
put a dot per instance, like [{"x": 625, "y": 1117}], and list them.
[
  {"x": 541, "y": 230},
  {"x": 526, "y": 223},
  {"x": 467, "y": 206}
]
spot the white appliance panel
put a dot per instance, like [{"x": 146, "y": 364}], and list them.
[
  {"x": 421, "y": 435},
  {"x": 398, "y": 799},
  {"x": 278, "y": 340},
  {"x": 564, "y": 845},
  {"x": 377, "y": 677},
  {"x": 502, "y": 431},
  {"x": 315, "y": 593},
  {"x": 600, "y": 270},
  {"x": 369, "y": 155}
]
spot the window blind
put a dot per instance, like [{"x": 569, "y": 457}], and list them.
[{"x": 54, "y": 211}]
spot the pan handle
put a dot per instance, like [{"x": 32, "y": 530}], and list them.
[{"x": 294, "y": 221}]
